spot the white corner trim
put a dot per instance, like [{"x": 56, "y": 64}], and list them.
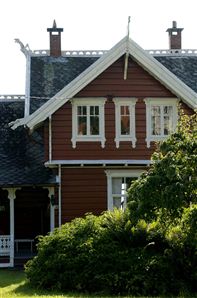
[
  {"x": 125, "y": 101},
  {"x": 160, "y": 102}
]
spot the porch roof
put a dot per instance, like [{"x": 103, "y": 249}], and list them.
[{"x": 21, "y": 156}]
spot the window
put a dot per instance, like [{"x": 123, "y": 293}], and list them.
[
  {"x": 118, "y": 183},
  {"x": 161, "y": 118},
  {"x": 88, "y": 120},
  {"x": 125, "y": 120}
]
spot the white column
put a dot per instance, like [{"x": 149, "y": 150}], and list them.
[
  {"x": 11, "y": 197},
  {"x": 51, "y": 191},
  {"x": 109, "y": 191},
  {"x": 60, "y": 194}
]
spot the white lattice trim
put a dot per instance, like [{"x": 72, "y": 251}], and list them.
[{"x": 5, "y": 245}]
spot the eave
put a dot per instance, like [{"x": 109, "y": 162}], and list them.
[
  {"x": 96, "y": 162},
  {"x": 144, "y": 59}
]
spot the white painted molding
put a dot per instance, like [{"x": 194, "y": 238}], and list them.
[
  {"x": 103, "y": 162},
  {"x": 159, "y": 102},
  {"x": 98, "y": 101},
  {"x": 12, "y": 97},
  {"x": 118, "y": 174},
  {"x": 131, "y": 102}
]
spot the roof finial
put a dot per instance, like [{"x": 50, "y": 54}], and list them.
[
  {"x": 127, "y": 51},
  {"x": 128, "y": 26},
  {"x": 54, "y": 24}
]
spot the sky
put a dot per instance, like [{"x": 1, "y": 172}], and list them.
[{"x": 88, "y": 25}]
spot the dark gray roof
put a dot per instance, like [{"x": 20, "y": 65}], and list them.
[
  {"x": 49, "y": 75},
  {"x": 21, "y": 155},
  {"x": 184, "y": 67}
]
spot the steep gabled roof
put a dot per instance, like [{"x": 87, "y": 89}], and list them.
[{"x": 149, "y": 63}]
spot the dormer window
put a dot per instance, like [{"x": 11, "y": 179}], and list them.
[
  {"x": 125, "y": 120},
  {"x": 88, "y": 120},
  {"x": 161, "y": 118}
]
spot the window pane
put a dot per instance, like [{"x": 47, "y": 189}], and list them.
[
  {"x": 81, "y": 110},
  {"x": 82, "y": 125},
  {"x": 116, "y": 185},
  {"x": 125, "y": 120},
  {"x": 168, "y": 124},
  {"x": 94, "y": 110},
  {"x": 117, "y": 202},
  {"x": 94, "y": 125},
  {"x": 156, "y": 120},
  {"x": 125, "y": 125},
  {"x": 124, "y": 110}
]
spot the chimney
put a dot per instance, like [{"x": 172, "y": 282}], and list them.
[
  {"x": 55, "y": 40},
  {"x": 174, "y": 36}
]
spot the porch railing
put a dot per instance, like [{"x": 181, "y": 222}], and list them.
[{"x": 6, "y": 250}]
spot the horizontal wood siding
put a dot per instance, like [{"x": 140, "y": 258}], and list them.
[
  {"x": 139, "y": 82},
  {"x": 110, "y": 84},
  {"x": 83, "y": 190}
]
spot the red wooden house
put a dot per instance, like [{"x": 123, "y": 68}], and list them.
[{"x": 90, "y": 122}]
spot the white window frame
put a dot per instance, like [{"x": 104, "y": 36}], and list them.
[
  {"x": 131, "y": 102},
  {"x": 118, "y": 174},
  {"x": 150, "y": 102},
  {"x": 100, "y": 102}
]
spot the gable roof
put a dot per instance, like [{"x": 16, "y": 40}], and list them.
[{"x": 144, "y": 59}]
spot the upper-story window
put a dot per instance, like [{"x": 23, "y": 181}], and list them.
[
  {"x": 125, "y": 120},
  {"x": 161, "y": 118},
  {"x": 88, "y": 120}
]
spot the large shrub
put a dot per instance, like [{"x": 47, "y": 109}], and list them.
[{"x": 108, "y": 254}]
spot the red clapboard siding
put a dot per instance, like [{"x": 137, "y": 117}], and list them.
[
  {"x": 82, "y": 193},
  {"x": 109, "y": 84}
]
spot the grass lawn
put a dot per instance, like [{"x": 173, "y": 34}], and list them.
[{"x": 14, "y": 284}]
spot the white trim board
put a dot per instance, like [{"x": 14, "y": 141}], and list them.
[
  {"x": 97, "y": 162},
  {"x": 145, "y": 60}
]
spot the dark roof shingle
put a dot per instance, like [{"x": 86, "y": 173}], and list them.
[
  {"x": 21, "y": 155},
  {"x": 184, "y": 67},
  {"x": 49, "y": 75}
]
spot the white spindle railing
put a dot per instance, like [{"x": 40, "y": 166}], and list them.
[
  {"x": 6, "y": 249},
  {"x": 5, "y": 245}
]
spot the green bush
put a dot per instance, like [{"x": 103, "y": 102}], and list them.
[{"x": 108, "y": 254}]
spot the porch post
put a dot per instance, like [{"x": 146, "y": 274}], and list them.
[
  {"x": 109, "y": 191},
  {"x": 11, "y": 197},
  {"x": 52, "y": 208},
  {"x": 51, "y": 191}
]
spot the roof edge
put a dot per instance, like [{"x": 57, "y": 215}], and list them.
[{"x": 149, "y": 63}]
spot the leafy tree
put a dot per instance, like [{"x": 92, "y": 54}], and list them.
[{"x": 171, "y": 182}]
